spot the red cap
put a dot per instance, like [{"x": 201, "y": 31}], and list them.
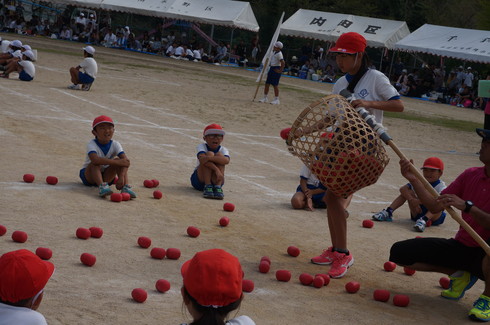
[
  {"x": 433, "y": 163},
  {"x": 102, "y": 119},
  {"x": 23, "y": 275},
  {"x": 350, "y": 43},
  {"x": 213, "y": 277},
  {"x": 213, "y": 129}
]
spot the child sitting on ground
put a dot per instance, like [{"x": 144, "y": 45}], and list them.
[
  {"x": 213, "y": 288},
  {"x": 23, "y": 276},
  {"x": 432, "y": 171},
  {"x": 24, "y": 67},
  {"x": 212, "y": 157},
  {"x": 309, "y": 193},
  {"x": 105, "y": 160}
]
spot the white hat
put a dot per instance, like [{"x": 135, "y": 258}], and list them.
[
  {"x": 82, "y": 14},
  {"x": 16, "y": 43},
  {"x": 278, "y": 45},
  {"x": 469, "y": 68},
  {"x": 17, "y": 54},
  {"x": 91, "y": 15},
  {"x": 89, "y": 49},
  {"x": 29, "y": 54},
  {"x": 404, "y": 70},
  {"x": 127, "y": 27},
  {"x": 26, "y": 47}
]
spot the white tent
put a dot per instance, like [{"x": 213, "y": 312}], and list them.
[
  {"x": 466, "y": 44},
  {"x": 328, "y": 26},
  {"x": 235, "y": 14}
]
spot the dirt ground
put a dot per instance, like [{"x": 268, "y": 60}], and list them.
[{"x": 160, "y": 107}]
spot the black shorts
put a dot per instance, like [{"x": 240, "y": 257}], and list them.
[{"x": 439, "y": 251}]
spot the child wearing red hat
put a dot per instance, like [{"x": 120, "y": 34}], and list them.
[
  {"x": 432, "y": 170},
  {"x": 105, "y": 160},
  {"x": 213, "y": 288},
  {"x": 212, "y": 157},
  {"x": 23, "y": 276}
]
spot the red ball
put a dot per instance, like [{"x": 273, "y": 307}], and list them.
[
  {"x": 158, "y": 253},
  {"x": 389, "y": 266},
  {"x": 352, "y": 287},
  {"x": 83, "y": 233},
  {"x": 148, "y": 183},
  {"x": 3, "y": 230},
  {"x": 193, "y": 231},
  {"x": 96, "y": 232},
  {"x": 285, "y": 133},
  {"x": 116, "y": 197},
  {"x": 52, "y": 180},
  {"x": 325, "y": 277},
  {"x": 408, "y": 271},
  {"x": 44, "y": 253},
  {"x": 318, "y": 282},
  {"x": 162, "y": 285},
  {"x": 248, "y": 285},
  {"x": 173, "y": 253},
  {"x": 125, "y": 196},
  {"x": 28, "y": 178},
  {"x": 224, "y": 221},
  {"x": 144, "y": 242},
  {"x": 401, "y": 300},
  {"x": 88, "y": 259},
  {"x": 139, "y": 295},
  {"x": 445, "y": 282},
  {"x": 230, "y": 207},
  {"x": 381, "y": 295},
  {"x": 293, "y": 251},
  {"x": 155, "y": 182},
  {"x": 264, "y": 267},
  {"x": 265, "y": 258},
  {"x": 19, "y": 236},
  {"x": 157, "y": 194},
  {"x": 367, "y": 223},
  {"x": 283, "y": 275},
  {"x": 306, "y": 279}
]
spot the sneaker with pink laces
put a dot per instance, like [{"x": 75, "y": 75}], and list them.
[
  {"x": 341, "y": 262},
  {"x": 326, "y": 258}
]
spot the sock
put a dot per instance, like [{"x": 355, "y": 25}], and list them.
[
  {"x": 425, "y": 218},
  {"x": 390, "y": 211},
  {"x": 343, "y": 251}
]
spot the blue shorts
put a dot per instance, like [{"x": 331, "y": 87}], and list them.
[
  {"x": 273, "y": 77},
  {"x": 196, "y": 183},
  {"x": 24, "y": 76},
  {"x": 437, "y": 222},
  {"x": 316, "y": 198},
  {"x": 84, "y": 78},
  {"x": 84, "y": 180}
]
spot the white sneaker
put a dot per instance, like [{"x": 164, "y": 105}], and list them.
[
  {"x": 76, "y": 87},
  {"x": 420, "y": 225},
  {"x": 276, "y": 101},
  {"x": 264, "y": 100}
]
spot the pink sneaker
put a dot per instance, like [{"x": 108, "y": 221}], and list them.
[
  {"x": 326, "y": 258},
  {"x": 341, "y": 263}
]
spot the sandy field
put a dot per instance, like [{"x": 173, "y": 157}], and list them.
[{"x": 161, "y": 106}]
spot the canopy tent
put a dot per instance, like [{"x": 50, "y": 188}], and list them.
[
  {"x": 460, "y": 43},
  {"x": 235, "y": 14},
  {"x": 328, "y": 26}
]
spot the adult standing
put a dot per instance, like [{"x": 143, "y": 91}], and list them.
[
  {"x": 460, "y": 257},
  {"x": 373, "y": 91}
]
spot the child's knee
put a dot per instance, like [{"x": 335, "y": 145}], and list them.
[{"x": 297, "y": 201}]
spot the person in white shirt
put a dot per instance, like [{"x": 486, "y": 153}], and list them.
[
  {"x": 23, "y": 276},
  {"x": 81, "y": 22},
  {"x": 89, "y": 65},
  {"x": 277, "y": 64},
  {"x": 65, "y": 33},
  {"x": 24, "y": 67},
  {"x": 110, "y": 39},
  {"x": 468, "y": 80}
]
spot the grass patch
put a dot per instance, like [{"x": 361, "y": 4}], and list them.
[{"x": 450, "y": 123}]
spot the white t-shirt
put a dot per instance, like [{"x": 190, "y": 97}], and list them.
[
  {"x": 28, "y": 67},
  {"x": 110, "y": 39},
  {"x": 311, "y": 179},
  {"x": 374, "y": 85},
  {"x": 10, "y": 315},
  {"x": 276, "y": 59},
  {"x": 468, "y": 80},
  {"x": 240, "y": 320},
  {"x": 179, "y": 51},
  {"x": 89, "y": 66},
  {"x": 196, "y": 54},
  {"x": 5, "y": 46},
  {"x": 203, "y": 148},
  {"x": 109, "y": 151}
]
